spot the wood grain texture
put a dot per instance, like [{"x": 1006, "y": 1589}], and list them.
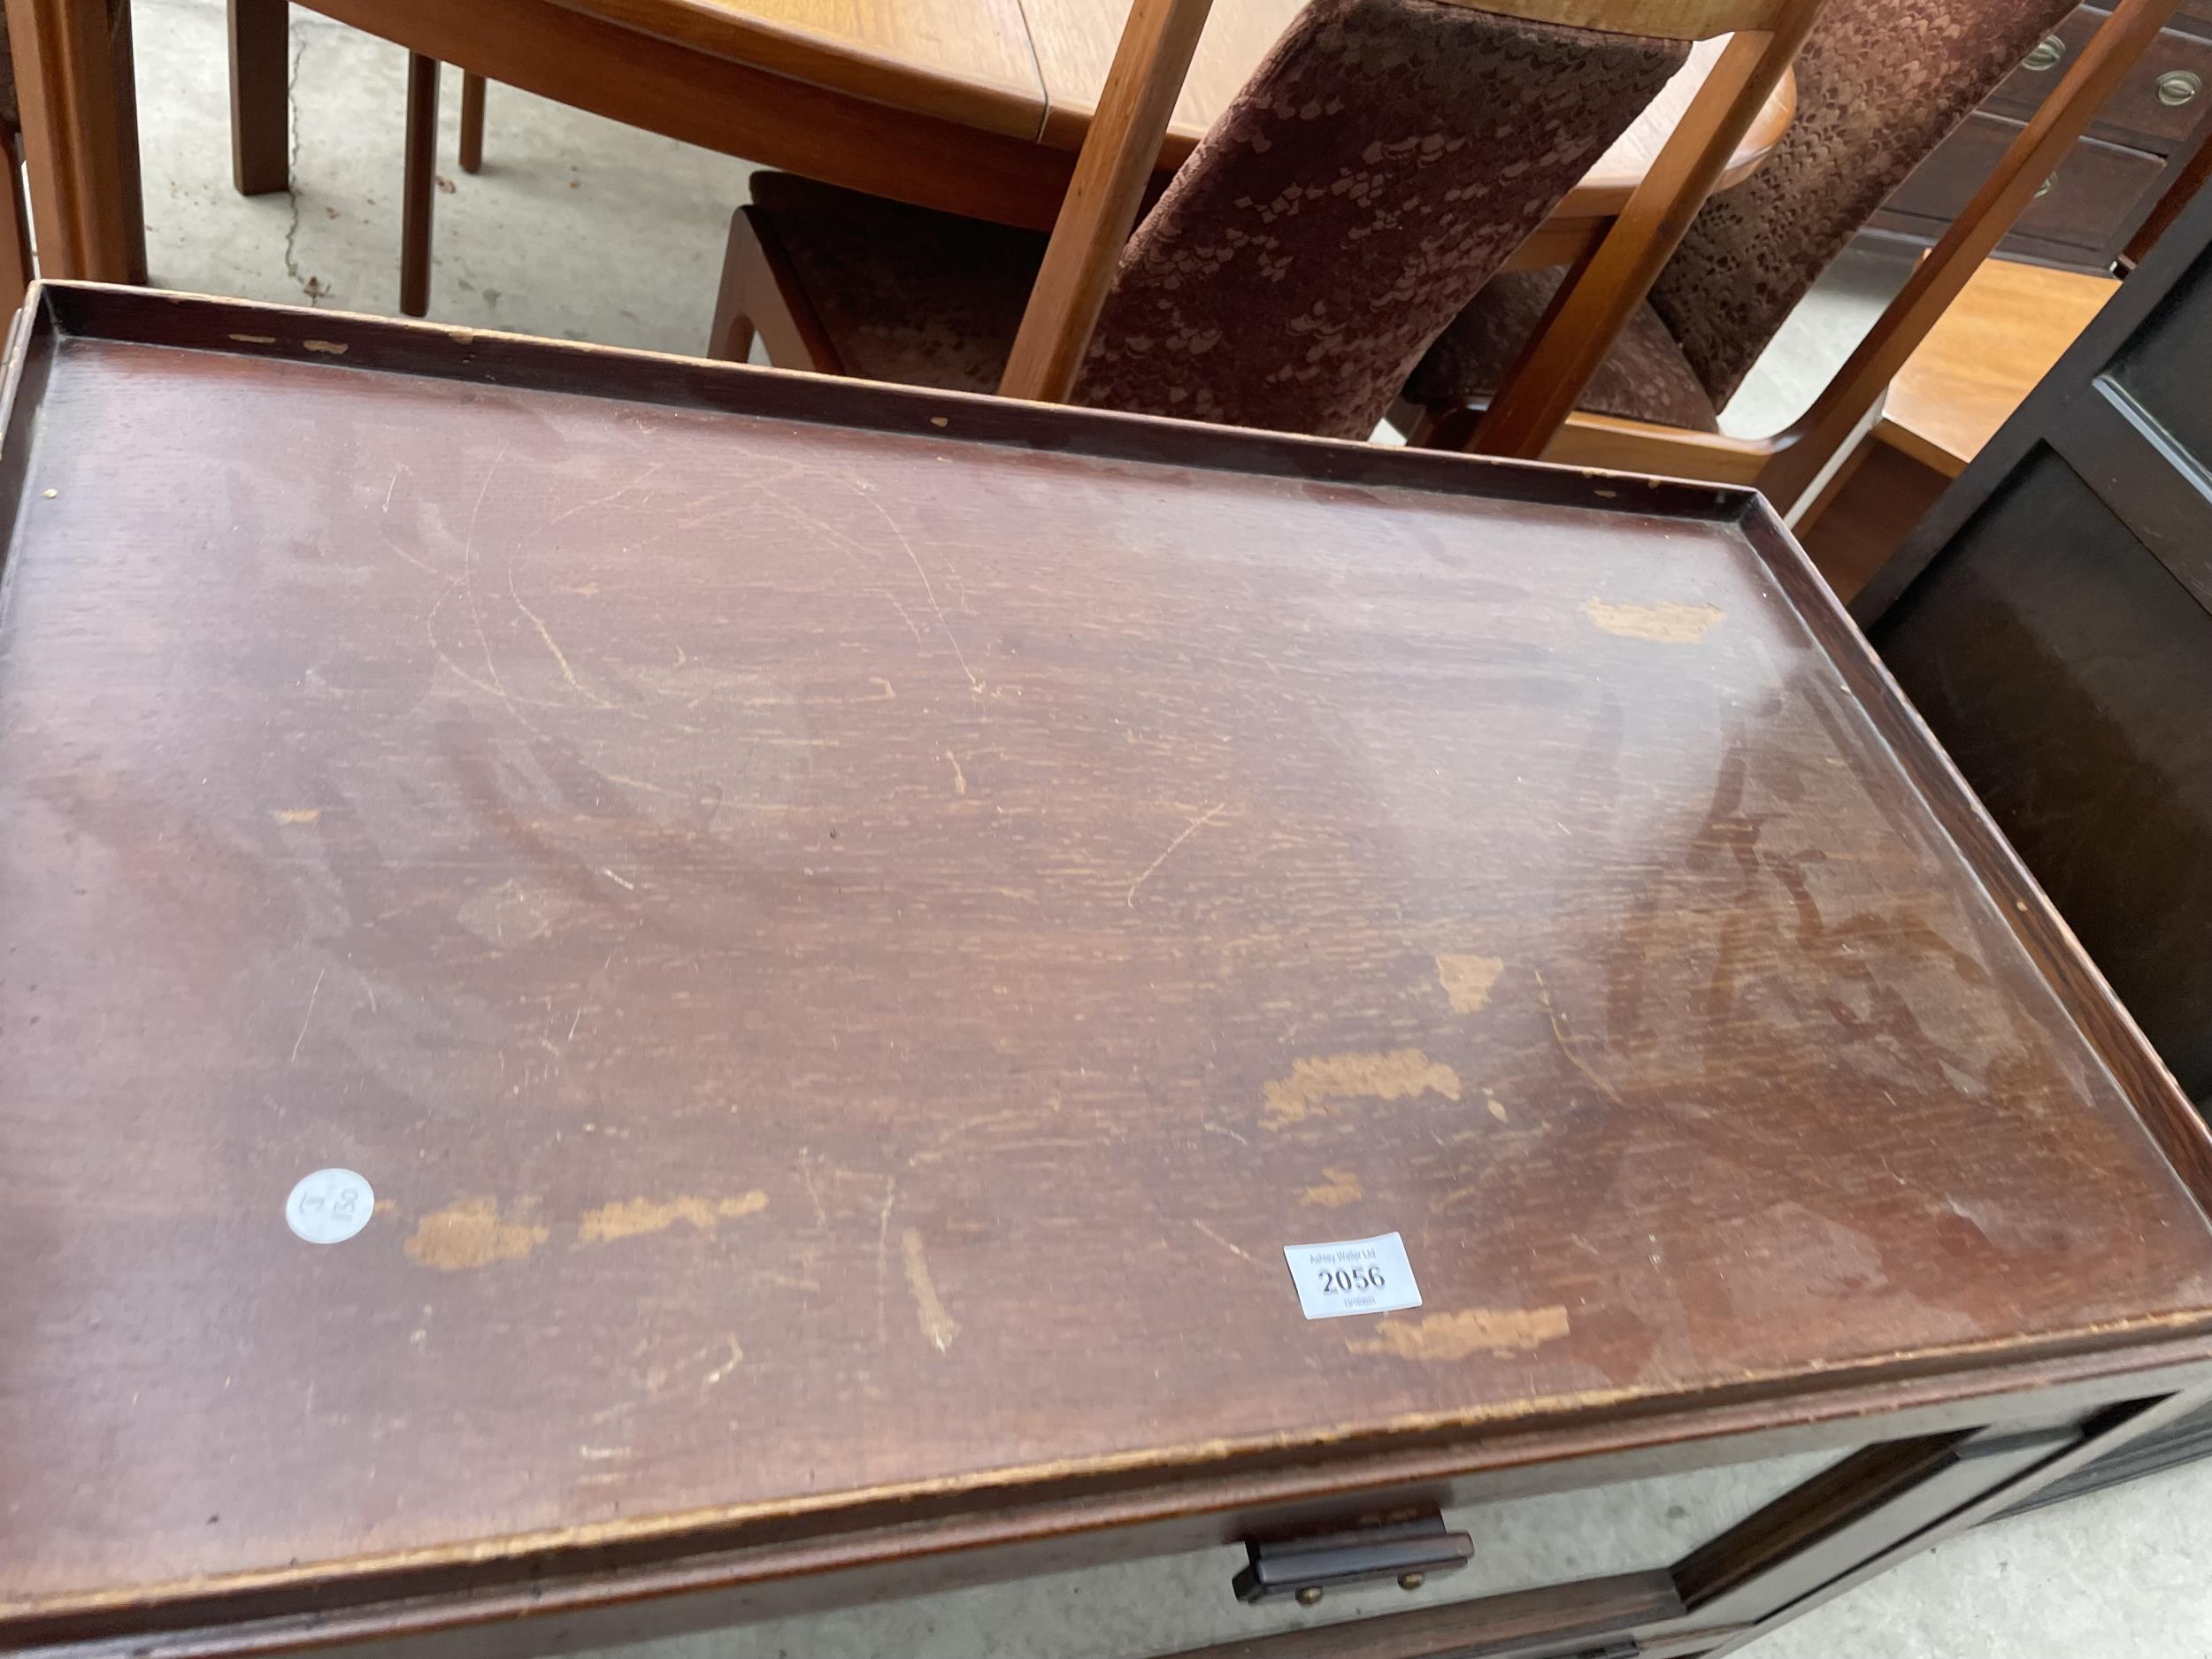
[
  {"x": 960, "y": 161},
  {"x": 1118, "y": 156},
  {"x": 260, "y": 99},
  {"x": 580, "y": 815},
  {"x": 73, "y": 84},
  {"x": 2000, "y": 337},
  {"x": 937, "y": 107},
  {"x": 2187, "y": 180},
  {"x": 471, "y": 148},
  {"x": 1865, "y": 512},
  {"x": 967, "y": 61},
  {"x": 419, "y": 191}
]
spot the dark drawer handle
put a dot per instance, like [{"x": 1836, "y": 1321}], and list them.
[
  {"x": 2046, "y": 57},
  {"x": 2177, "y": 86},
  {"x": 1409, "y": 1552}
]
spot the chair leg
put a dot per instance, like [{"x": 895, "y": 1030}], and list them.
[
  {"x": 418, "y": 187},
  {"x": 744, "y": 271},
  {"x": 472, "y": 122},
  {"x": 761, "y": 293},
  {"x": 259, "y": 115},
  {"x": 1444, "y": 428},
  {"x": 15, "y": 231}
]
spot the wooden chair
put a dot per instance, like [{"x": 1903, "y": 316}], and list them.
[
  {"x": 1385, "y": 161},
  {"x": 28, "y": 82},
  {"x": 1879, "y": 85}
]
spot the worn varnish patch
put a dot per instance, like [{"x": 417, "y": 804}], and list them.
[
  {"x": 470, "y": 1233},
  {"x": 512, "y": 914},
  {"x": 632, "y": 1216},
  {"x": 938, "y": 1325},
  {"x": 1668, "y": 624},
  {"x": 299, "y": 814},
  {"x": 328, "y": 348},
  {"x": 1341, "y": 1187},
  {"x": 1312, "y": 1084},
  {"x": 1468, "y": 980},
  {"x": 1450, "y": 1336}
]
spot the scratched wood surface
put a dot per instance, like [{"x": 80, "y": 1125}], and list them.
[{"x": 847, "y": 954}]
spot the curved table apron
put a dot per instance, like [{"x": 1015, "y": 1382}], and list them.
[{"x": 970, "y": 106}]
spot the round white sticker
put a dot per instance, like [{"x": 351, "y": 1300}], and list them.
[{"x": 330, "y": 1206}]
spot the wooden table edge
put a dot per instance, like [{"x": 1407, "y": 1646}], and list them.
[
  {"x": 565, "y": 1571},
  {"x": 798, "y": 53}
]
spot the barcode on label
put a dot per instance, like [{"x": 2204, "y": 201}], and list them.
[{"x": 1354, "y": 1276}]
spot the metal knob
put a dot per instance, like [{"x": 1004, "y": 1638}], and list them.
[
  {"x": 2176, "y": 87},
  {"x": 2046, "y": 56},
  {"x": 1310, "y": 1596},
  {"x": 1411, "y": 1581}
]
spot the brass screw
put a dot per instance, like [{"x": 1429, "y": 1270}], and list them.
[
  {"x": 1410, "y": 1580},
  {"x": 1310, "y": 1596}
]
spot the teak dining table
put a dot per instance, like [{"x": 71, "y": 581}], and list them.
[
  {"x": 638, "y": 995},
  {"x": 972, "y": 106}
]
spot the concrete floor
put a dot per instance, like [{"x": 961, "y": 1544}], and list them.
[{"x": 582, "y": 230}]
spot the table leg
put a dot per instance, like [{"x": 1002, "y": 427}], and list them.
[
  {"x": 260, "y": 112},
  {"x": 419, "y": 185},
  {"x": 472, "y": 122},
  {"x": 73, "y": 78}
]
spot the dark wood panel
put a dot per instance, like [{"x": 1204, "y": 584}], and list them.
[
  {"x": 2144, "y": 478},
  {"x": 2184, "y": 1440},
  {"x": 1869, "y": 510},
  {"x": 2109, "y": 1434},
  {"x": 1862, "y": 1508},
  {"x": 2163, "y": 368},
  {"x": 2066, "y": 670},
  {"x": 775, "y": 888},
  {"x": 2093, "y": 201},
  {"x": 2146, "y": 112}
]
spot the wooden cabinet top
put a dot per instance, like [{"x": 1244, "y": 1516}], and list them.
[{"x": 847, "y": 928}]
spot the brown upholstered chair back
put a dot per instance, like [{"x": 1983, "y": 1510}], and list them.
[
  {"x": 1880, "y": 84},
  {"x": 1374, "y": 173}
]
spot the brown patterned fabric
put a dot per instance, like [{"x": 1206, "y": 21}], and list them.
[
  {"x": 1645, "y": 378},
  {"x": 1380, "y": 165},
  {"x": 1880, "y": 84},
  {"x": 904, "y": 294}
]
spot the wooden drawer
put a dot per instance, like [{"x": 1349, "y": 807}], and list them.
[
  {"x": 2157, "y": 108},
  {"x": 2092, "y": 201}
]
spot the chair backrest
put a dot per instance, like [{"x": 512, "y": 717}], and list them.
[
  {"x": 1380, "y": 166},
  {"x": 1880, "y": 84},
  {"x": 1797, "y": 457}
]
